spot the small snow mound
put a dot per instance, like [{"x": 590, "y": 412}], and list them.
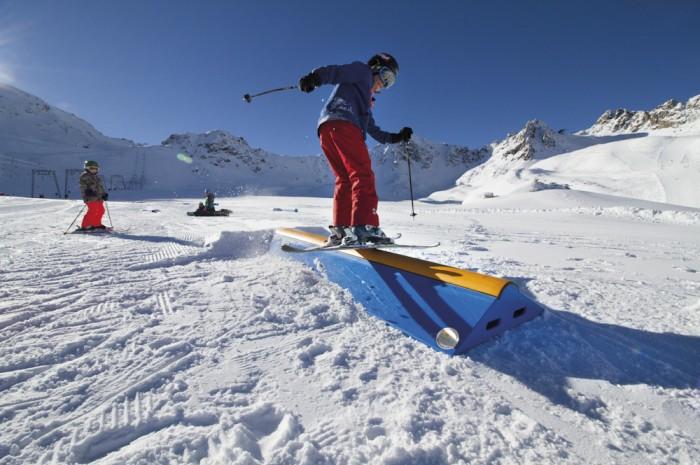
[{"x": 240, "y": 244}]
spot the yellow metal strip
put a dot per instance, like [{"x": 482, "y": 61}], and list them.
[{"x": 467, "y": 279}]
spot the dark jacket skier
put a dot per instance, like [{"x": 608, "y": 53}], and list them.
[{"x": 342, "y": 129}]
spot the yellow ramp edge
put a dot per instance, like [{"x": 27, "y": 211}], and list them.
[{"x": 467, "y": 279}]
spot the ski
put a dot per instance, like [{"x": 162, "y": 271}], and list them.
[
  {"x": 293, "y": 249},
  {"x": 96, "y": 231},
  {"x": 100, "y": 232}
]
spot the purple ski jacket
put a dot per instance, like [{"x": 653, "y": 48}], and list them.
[{"x": 351, "y": 98}]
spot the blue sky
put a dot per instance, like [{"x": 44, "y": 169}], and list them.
[{"x": 471, "y": 71}]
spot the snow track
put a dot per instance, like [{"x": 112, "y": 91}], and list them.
[{"x": 186, "y": 343}]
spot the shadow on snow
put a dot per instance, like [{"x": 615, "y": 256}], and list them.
[{"x": 545, "y": 353}]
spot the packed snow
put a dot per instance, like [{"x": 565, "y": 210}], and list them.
[{"x": 181, "y": 340}]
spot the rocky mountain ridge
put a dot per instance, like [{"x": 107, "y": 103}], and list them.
[
  {"x": 671, "y": 114},
  {"x": 33, "y": 134}
]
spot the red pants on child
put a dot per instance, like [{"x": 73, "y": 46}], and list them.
[
  {"x": 93, "y": 217},
  {"x": 355, "y": 198}
]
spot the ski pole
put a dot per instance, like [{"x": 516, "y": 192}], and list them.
[
  {"x": 410, "y": 178},
  {"x": 111, "y": 225},
  {"x": 249, "y": 98},
  {"x": 76, "y": 219}
]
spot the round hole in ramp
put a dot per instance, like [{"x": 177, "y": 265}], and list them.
[{"x": 447, "y": 338}]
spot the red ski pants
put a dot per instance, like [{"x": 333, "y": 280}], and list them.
[
  {"x": 355, "y": 198},
  {"x": 93, "y": 217}
]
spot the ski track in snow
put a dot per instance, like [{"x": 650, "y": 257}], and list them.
[{"x": 182, "y": 342}]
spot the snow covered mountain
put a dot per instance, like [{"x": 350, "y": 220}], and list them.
[
  {"x": 675, "y": 116},
  {"x": 30, "y": 125},
  {"x": 36, "y": 136},
  {"x": 433, "y": 166},
  {"x": 225, "y": 163},
  {"x": 651, "y": 155}
]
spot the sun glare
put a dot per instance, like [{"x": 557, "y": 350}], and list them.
[{"x": 6, "y": 76}]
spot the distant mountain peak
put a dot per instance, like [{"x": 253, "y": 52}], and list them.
[
  {"x": 672, "y": 114},
  {"x": 219, "y": 147},
  {"x": 536, "y": 137},
  {"x": 212, "y": 141}
]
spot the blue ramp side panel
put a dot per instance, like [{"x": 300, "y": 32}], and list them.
[{"x": 418, "y": 297}]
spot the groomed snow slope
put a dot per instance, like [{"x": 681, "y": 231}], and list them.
[
  {"x": 651, "y": 155},
  {"x": 182, "y": 341},
  {"x": 654, "y": 168}
]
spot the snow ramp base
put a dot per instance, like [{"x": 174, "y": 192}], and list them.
[{"x": 449, "y": 309}]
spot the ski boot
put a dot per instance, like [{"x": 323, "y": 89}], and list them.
[
  {"x": 367, "y": 234},
  {"x": 336, "y": 237}
]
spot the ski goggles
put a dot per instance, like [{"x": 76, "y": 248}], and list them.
[{"x": 387, "y": 76}]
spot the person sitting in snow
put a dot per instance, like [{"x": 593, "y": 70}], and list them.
[
  {"x": 201, "y": 209},
  {"x": 345, "y": 120},
  {"x": 209, "y": 202},
  {"x": 94, "y": 194}
]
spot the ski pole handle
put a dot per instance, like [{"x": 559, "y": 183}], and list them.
[{"x": 249, "y": 98}]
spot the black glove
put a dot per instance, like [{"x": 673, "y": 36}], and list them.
[
  {"x": 404, "y": 135},
  {"x": 105, "y": 196},
  {"x": 309, "y": 82}
]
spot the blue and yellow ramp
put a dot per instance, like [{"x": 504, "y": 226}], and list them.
[{"x": 449, "y": 309}]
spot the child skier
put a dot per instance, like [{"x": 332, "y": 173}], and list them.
[
  {"x": 94, "y": 195},
  {"x": 342, "y": 129}
]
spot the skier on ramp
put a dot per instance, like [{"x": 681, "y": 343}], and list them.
[{"x": 342, "y": 129}]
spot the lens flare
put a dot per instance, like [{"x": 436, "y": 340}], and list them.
[
  {"x": 184, "y": 157},
  {"x": 6, "y": 76}
]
